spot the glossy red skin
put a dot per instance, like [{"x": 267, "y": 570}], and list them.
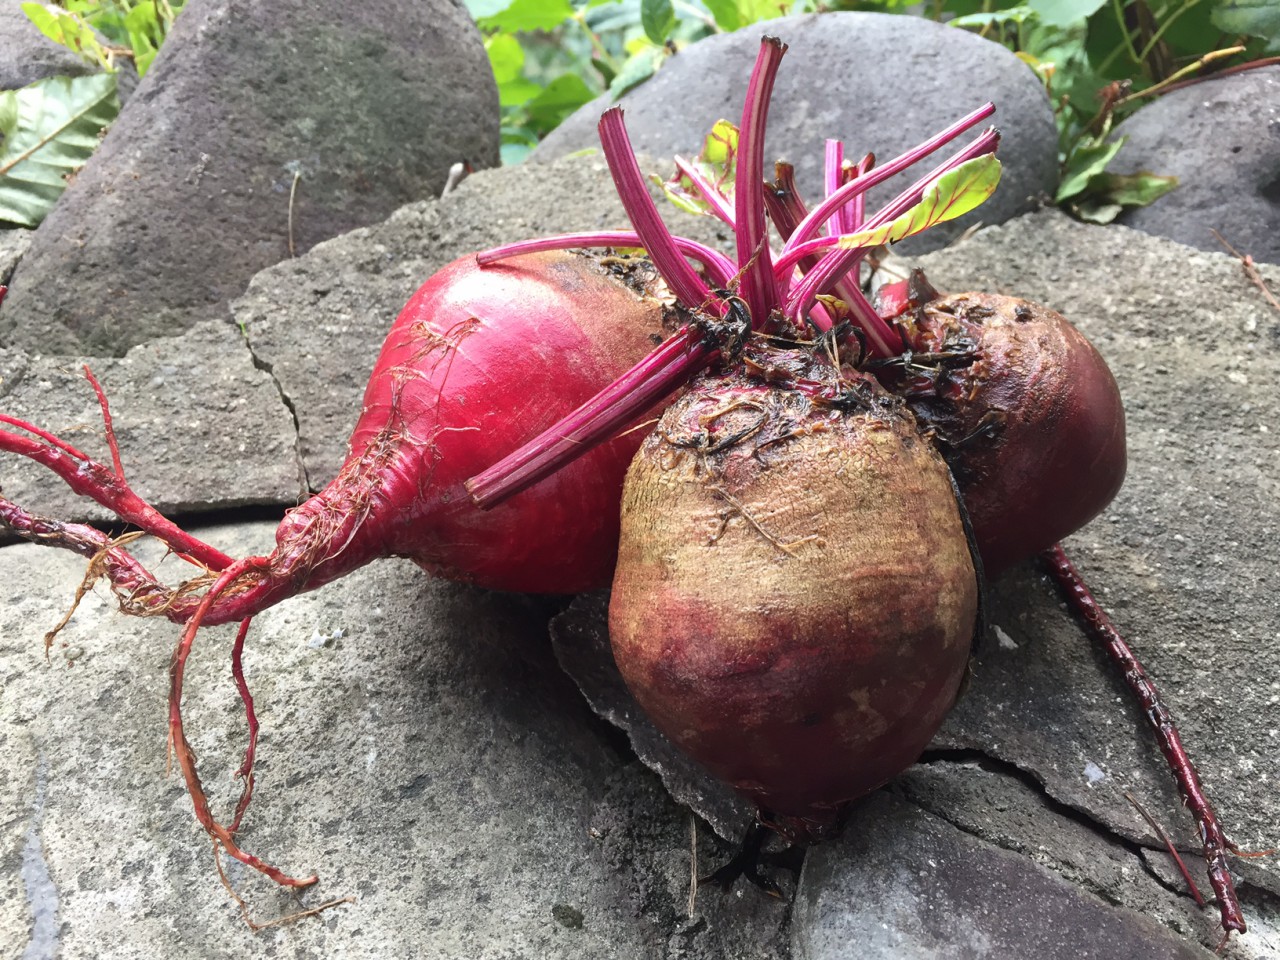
[
  {"x": 1054, "y": 454},
  {"x": 479, "y": 361},
  {"x": 802, "y": 678}
]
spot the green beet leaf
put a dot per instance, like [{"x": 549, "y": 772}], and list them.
[
  {"x": 50, "y": 129},
  {"x": 716, "y": 163},
  {"x": 951, "y": 195}
]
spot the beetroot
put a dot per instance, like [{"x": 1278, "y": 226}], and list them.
[
  {"x": 794, "y": 603},
  {"x": 1028, "y": 413}
]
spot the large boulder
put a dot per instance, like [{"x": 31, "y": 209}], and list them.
[
  {"x": 882, "y": 83},
  {"x": 260, "y": 129},
  {"x": 1221, "y": 139}
]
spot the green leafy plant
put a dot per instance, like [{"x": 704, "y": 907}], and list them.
[
  {"x": 1099, "y": 60},
  {"x": 133, "y": 29},
  {"x": 50, "y": 129}
]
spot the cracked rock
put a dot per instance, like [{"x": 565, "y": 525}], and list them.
[
  {"x": 905, "y": 885},
  {"x": 199, "y": 427},
  {"x": 318, "y": 321}
]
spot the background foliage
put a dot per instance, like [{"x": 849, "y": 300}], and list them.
[{"x": 1099, "y": 59}]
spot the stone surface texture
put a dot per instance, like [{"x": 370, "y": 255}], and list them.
[
  {"x": 421, "y": 751},
  {"x": 193, "y": 190},
  {"x": 1221, "y": 139},
  {"x": 318, "y": 321},
  {"x": 199, "y": 426},
  {"x": 879, "y": 82},
  {"x": 906, "y": 885},
  {"x": 13, "y": 246}
]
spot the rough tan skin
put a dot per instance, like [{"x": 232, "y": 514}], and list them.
[
  {"x": 1035, "y": 421},
  {"x": 794, "y": 610}
]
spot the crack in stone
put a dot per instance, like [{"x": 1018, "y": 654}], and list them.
[
  {"x": 304, "y": 476},
  {"x": 1028, "y": 779}
]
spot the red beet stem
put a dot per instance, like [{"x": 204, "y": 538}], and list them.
[
  {"x": 1100, "y": 628},
  {"x": 666, "y": 368},
  {"x": 751, "y": 231},
  {"x": 643, "y": 213}
]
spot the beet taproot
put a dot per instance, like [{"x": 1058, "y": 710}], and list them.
[{"x": 794, "y": 601}]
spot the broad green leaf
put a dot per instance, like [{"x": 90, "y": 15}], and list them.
[
  {"x": 639, "y": 67},
  {"x": 56, "y": 130},
  {"x": 981, "y": 19},
  {"x": 561, "y": 97},
  {"x": 725, "y": 13},
  {"x": 484, "y": 9},
  {"x": 1257, "y": 18},
  {"x": 1085, "y": 162},
  {"x": 1063, "y": 13},
  {"x": 515, "y": 93},
  {"x": 70, "y": 31},
  {"x": 754, "y": 11},
  {"x": 951, "y": 195},
  {"x": 657, "y": 17},
  {"x": 526, "y": 16},
  {"x": 506, "y": 57},
  {"x": 716, "y": 163}
]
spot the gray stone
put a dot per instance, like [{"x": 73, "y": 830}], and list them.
[
  {"x": 905, "y": 885},
  {"x": 27, "y": 55},
  {"x": 882, "y": 83},
  {"x": 420, "y": 750},
  {"x": 13, "y": 246},
  {"x": 318, "y": 321},
  {"x": 193, "y": 189},
  {"x": 1221, "y": 139},
  {"x": 199, "y": 427}
]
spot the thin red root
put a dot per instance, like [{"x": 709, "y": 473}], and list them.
[
  {"x": 105, "y": 485},
  {"x": 1173, "y": 851},
  {"x": 1100, "y": 628},
  {"x": 245, "y": 772},
  {"x": 182, "y": 751},
  {"x": 278, "y": 921}
]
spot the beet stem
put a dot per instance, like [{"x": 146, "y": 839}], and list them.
[
  {"x": 751, "y": 230},
  {"x": 245, "y": 772},
  {"x": 662, "y": 371},
  {"x": 1100, "y": 628},
  {"x": 643, "y": 213}
]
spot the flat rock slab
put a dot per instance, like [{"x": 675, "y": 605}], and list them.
[
  {"x": 882, "y": 83},
  {"x": 1221, "y": 139},
  {"x": 260, "y": 129},
  {"x": 906, "y": 885},
  {"x": 318, "y": 321},
  {"x": 1182, "y": 558},
  {"x": 420, "y": 750},
  {"x": 199, "y": 426}
]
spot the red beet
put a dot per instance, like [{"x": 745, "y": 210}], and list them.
[
  {"x": 795, "y": 601},
  {"x": 1029, "y": 415}
]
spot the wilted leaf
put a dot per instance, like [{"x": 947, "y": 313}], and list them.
[
  {"x": 54, "y": 131},
  {"x": 1133, "y": 189},
  {"x": 716, "y": 164},
  {"x": 951, "y": 195}
]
